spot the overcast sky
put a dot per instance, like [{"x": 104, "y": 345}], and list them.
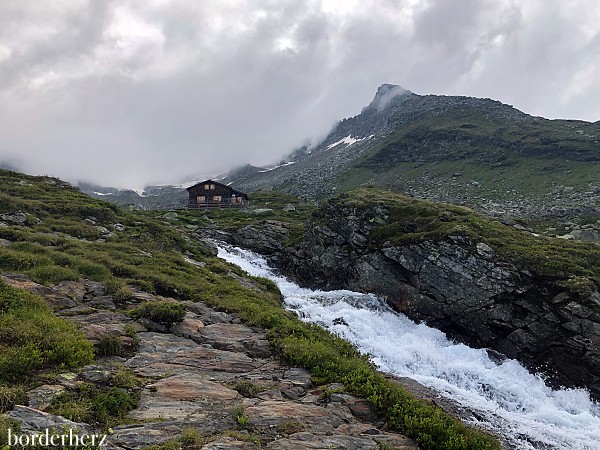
[{"x": 131, "y": 92}]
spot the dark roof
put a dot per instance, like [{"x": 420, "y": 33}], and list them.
[{"x": 235, "y": 191}]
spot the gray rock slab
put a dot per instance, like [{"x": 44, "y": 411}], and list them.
[{"x": 33, "y": 421}]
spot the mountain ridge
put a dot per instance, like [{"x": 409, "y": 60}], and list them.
[
  {"x": 476, "y": 152},
  {"x": 463, "y": 150}
]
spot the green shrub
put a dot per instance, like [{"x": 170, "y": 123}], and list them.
[
  {"x": 123, "y": 295},
  {"x": 53, "y": 274},
  {"x": 33, "y": 338},
  {"x": 126, "y": 379},
  {"x": 109, "y": 346},
  {"x": 112, "y": 285},
  {"x": 290, "y": 427},
  {"x": 11, "y": 396},
  {"x": 113, "y": 404},
  {"x": 20, "y": 261},
  {"x": 163, "y": 312},
  {"x": 131, "y": 332},
  {"x": 247, "y": 388},
  {"x": 87, "y": 403},
  {"x": 5, "y": 425},
  {"x": 190, "y": 439},
  {"x": 240, "y": 416}
]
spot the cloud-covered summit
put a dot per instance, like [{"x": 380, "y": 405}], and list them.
[{"x": 133, "y": 92}]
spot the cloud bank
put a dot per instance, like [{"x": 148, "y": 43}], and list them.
[{"x": 132, "y": 92}]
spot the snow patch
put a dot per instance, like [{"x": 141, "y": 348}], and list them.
[
  {"x": 277, "y": 167},
  {"x": 348, "y": 140},
  {"x": 100, "y": 193}
]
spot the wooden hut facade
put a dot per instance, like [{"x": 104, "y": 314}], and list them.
[{"x": 209, "y": 193}]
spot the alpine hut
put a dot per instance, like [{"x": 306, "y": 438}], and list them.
[{"x": 209, "y": 194}]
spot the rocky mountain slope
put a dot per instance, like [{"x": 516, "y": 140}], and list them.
[
  {"x": 462, "y": 150},
  {"x": 122, "y": 322},
  {"x": 536, "y": 299},
  {"x": 152, "y": 197}
]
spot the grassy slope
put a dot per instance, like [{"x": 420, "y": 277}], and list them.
[
  {"x": 57, "y": 243},
  {"x": 529, "y": 156},
  {"x": 414, "y": 220}
]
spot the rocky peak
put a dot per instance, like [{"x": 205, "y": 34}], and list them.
[{"x": 384, "y": 96}]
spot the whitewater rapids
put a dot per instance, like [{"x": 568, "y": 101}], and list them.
[{"x": 508, "y": 399}]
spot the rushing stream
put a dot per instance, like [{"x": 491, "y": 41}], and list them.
[{"x": 507, "y": 398}]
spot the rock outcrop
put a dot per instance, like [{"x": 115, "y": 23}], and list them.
[
  {"x": 209, "y": 373},
  {"x": 453, "y": 283}
]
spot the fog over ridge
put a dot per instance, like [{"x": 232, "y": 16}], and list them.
[{"x": 130, "y": 93}]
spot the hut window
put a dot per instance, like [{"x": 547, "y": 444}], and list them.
[
  {"x": 212, "y": 187},
  {"x": 217, "y": 198},
  {"x": 207, "y": 186},
  {"x": 201, "y": 199}
]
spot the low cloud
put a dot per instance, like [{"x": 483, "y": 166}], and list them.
[{"x": 131, "y": 92}]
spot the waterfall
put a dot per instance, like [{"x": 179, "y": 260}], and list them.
[{"x": 507, "y": 399}]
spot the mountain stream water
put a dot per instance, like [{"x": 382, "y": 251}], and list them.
[{"x": 503, "y": 396}]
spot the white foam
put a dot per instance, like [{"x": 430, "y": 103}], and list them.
[{"x": 507, "y": 398}]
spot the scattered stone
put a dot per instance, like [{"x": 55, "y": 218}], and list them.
[
  {"x": 187, "y": 397},
  {"x": 188, "y": 327},
  {"x": 102, "y": 230},
  {"x": 32, "y": 421},
  {"x": 305, "y": 440},
  {"x": 15, "y": 218},
  {"x": 262, "y": 211},
  {"x": 139, "y": 436},
  {"x": 229, "y": 443},
  {"x": 41, "y": 397},
  {"x": 171, "y": 216},
  {"x": 485, "y": 250},
  {"x": 118, "y": 227}
]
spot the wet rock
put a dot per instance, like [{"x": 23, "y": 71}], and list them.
[{"x": 458, "y": 286}]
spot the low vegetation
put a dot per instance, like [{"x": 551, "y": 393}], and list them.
[
  {"x": 163, "y": 312},
  {"x": 61, "y": 240},
  {"x": 412, "y": 220},
  {"x": 190, "y": 439},
  {"x": 99, "y": 406},
  {"x": 32, "y": 338}
]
